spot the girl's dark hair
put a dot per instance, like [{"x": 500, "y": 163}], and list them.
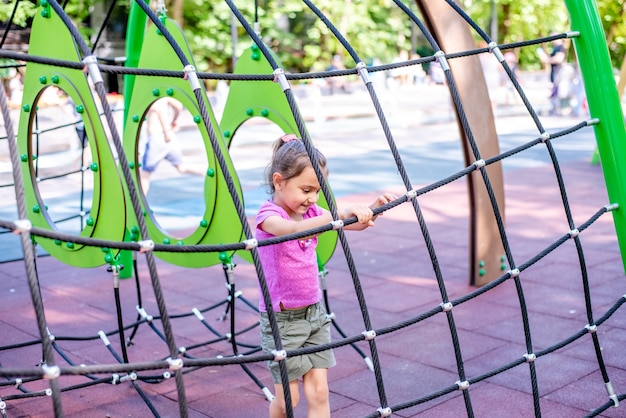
[{"x": 289, "y": 159}]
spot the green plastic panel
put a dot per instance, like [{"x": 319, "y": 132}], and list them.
[
  {"x": 249, "y": 99},
  {"x": 50, "y": 38},
  {"x": 220, "y": 222}
]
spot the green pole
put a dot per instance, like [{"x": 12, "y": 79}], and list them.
[
  {"x": 134, "y": 41},
  {"x": 604, "y": 104}
]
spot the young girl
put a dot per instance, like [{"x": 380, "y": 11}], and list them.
[{"x": 291, "y": 272}]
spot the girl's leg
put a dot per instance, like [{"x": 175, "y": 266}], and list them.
[
  {"x": 277, "y": 406},
  {"x": 316, "y": 393}
]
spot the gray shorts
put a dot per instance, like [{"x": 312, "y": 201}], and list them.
[
  {"x": 299, "y": 328},
  {"x": 158, "y": 150}
]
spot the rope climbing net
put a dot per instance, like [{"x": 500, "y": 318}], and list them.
[{"x": 178, "y": 365}]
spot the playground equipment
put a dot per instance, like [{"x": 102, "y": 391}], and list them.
[{"x": 134, "y": 229}]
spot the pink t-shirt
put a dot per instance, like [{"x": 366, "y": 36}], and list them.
[{"x": 290, "y": 267}]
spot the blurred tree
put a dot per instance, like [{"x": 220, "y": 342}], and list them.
[
  {"x": 613, "y": 15},
  {"x": 25, "y": 11},
  {"x": 375, "y": 28},
  {"x": 526, "y": 20},
  {"x": 521, "y": 20}
]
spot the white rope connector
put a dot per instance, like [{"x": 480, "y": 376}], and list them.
[
  {"x": 410, "y": 195},
  {"x": 530, "y": 357},
  {"x": 369, "y": 335},
  {"x": 369, "y": 363},
  {"x": 446, "y": 307},
  {"x": 198, "y": 314},
  {"x": 279, "y": 355},
  {"x": 594, "y": 121},
  {"x": 331, "y": 315},
  {"x": 50, "y": 372},
  {"x": 145, "y": 245},
  {"x": 591, "y": 328},
  {"x": 167, "y": 375},
  {"x": 48, "y": 392},
  {"x": 22, "y": 225},
  {"x": 192, "y": 76},
  {"x": 574, "y": 233},
  {"x": 91, "y": 62},
  {"x": 384, "y": 412},
  {"x": 479, "y": 163},
  {"x": 18, "y": 382},
  {"x": 513, "y": 273},
  {"x": 251, "y": 243},
  {"x": 545, "y": 137},
  {"x": 3, "y": 405},
  {"x": 175, "y": 363},
  {"x": 611, "y": 206},
  {"x": 281, "y": 78},
  {"x": 337, "y": 224},
  {"x": 104, "y": 338},
  {"x": 495, "y": 50},
  {"x": 612, "y": 395},
  {"x": 268, "y": 394},
  {"x": 573, "y": 34},
  {"x": 132, "y": 376},
  {"x": 144, "y": 314},
  {"x": 362, "y": 70},
  {"x": 464, "y": 385},
  {"x": 182, "y": 350},
  {"x": 441, "y": 57}
]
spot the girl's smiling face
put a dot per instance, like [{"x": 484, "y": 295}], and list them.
[{"x": 297, "y": 194}]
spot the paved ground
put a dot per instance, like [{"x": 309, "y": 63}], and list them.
[{"x": 396, "y": 275}]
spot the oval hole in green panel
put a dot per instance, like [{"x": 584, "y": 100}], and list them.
[
  {"x": 57, "y": 155},
  {"x": 173, "y": 167},
  {"x": 251, "y": 151}
]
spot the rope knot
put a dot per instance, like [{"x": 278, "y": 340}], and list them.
[
  {"x": 22, "y": 225},
  {"x": 146, "y": 245},
  {"x": 175, "y": 364},
  {"x": 251, "y": 243},
  {"x": 464, "y": 385},
  {"x": 337, "y": 224},
  {"x": 369, "y": 335},
  {"x": 384, "y": 412},
  {"x": 50, "y": 372},
  {"x": 446, "y": 307},
  {"x": 279, "y": 355}
]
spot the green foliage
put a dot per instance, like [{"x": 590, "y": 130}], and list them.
[
  {"x": 521, "y": 20},
  {"x": 25, "y": 11},
  {"x": 374, "y": 28},
  {"x": 613, "y": 15},
  {"x": 518, "y": 20}
]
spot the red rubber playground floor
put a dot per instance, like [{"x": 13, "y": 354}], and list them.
[{"x": 398, "y": 284}]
